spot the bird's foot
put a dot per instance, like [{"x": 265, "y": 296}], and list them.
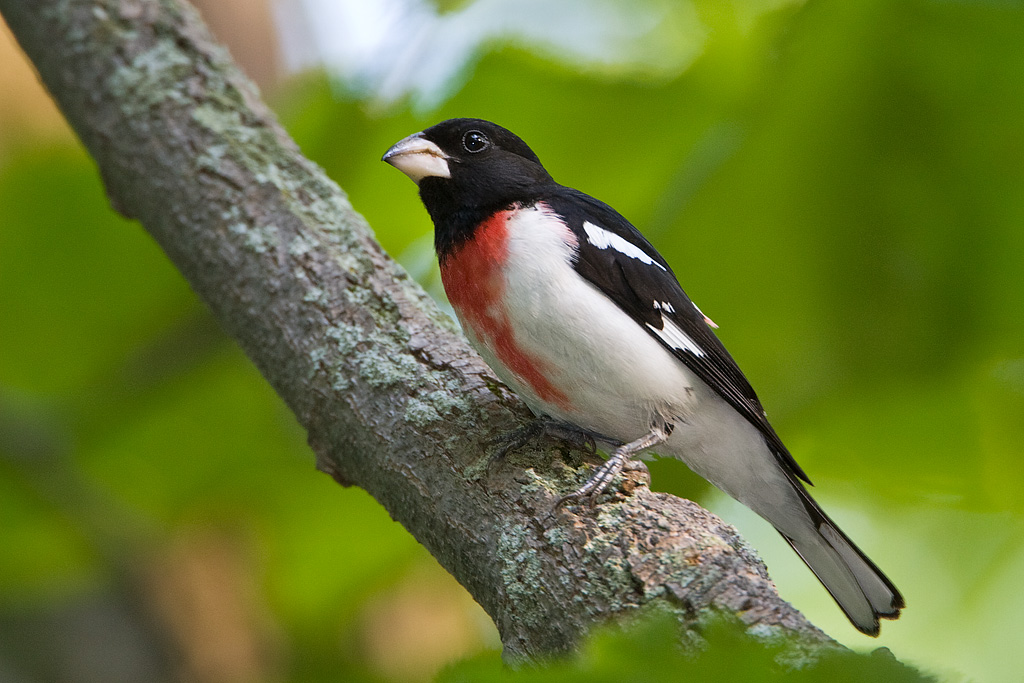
[
  {"x": 597, "y": 483},
  {"x": 543, "y": 427},
  {"x": 621, "y": 458}
]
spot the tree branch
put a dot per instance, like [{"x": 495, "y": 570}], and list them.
[{"x": 393, "y": 399}]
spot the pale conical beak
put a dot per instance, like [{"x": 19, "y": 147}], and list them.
[{"x": 418, "y": 158}]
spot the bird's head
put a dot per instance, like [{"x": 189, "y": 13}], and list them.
[{"x": 469, "y": 164}]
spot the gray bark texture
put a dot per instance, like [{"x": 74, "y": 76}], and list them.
[{"x": 393, "y": 399}]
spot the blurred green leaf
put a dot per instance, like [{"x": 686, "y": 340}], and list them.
[
  {"x": 649, "y": 651},
  {"x": 79, "y": 286},
  {"x": 445, "y": 6},
  {"x": 46, "y": 557}
]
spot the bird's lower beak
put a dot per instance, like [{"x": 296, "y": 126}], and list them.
[{"x": 418, "y": 158}]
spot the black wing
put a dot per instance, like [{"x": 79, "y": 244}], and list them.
[{"x": 618, "y": 260}]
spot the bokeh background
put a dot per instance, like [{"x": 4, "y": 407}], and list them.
[{"x": 840, "y": 186}]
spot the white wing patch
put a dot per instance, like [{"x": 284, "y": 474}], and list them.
[
  {"x": 603, "y": 239},
  {"x": 664, "y": 306},
  {"x": 673, "y": 335}
]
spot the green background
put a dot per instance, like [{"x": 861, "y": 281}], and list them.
[{"x": 838, "y": 185}]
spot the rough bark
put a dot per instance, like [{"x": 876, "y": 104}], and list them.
[{"x": 393, "y": 399}]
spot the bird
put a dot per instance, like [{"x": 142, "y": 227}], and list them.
[{"x": 574, "y": 309}]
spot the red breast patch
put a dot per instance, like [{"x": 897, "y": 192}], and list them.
[{"x": 473, "y": 280}]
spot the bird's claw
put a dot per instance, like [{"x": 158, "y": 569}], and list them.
[
  {"x": 588, "y": 499},
  {"x": 575, "y": 438},
  {"x": 515, "y": 439},
  {"x": 598, "y": 481}
]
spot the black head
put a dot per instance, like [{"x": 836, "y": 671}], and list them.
[{"x": 467, "y": 169}]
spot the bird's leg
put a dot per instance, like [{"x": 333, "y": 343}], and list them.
[
  {"x": 604, "y": 474},
  {"x": 575, "y": 437}
]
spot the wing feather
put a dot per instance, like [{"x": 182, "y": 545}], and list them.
[{"x": 618, "y": 260}]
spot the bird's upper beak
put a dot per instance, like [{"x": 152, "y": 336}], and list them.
[{"x": 418, "y": 158}]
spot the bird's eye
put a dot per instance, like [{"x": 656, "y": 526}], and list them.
[{"x": 474, "y": 141}]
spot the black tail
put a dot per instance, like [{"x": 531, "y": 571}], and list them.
[{"x": 860, "y": 588}]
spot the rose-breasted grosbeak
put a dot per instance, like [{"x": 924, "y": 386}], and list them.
[{"x": 575, "y": 310}]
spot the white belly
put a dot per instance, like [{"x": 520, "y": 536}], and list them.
[{"x": 617, "y": 377}]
